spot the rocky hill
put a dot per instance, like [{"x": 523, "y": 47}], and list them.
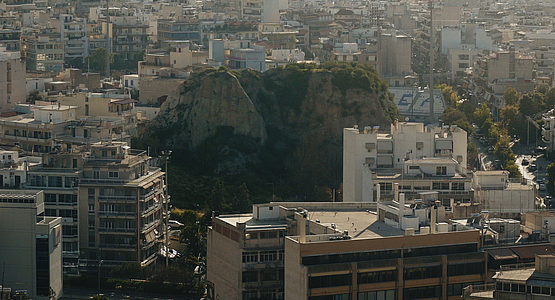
[{"x": 283, "y": 126}]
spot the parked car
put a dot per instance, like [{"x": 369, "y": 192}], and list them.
[
  {"x": 532, "y": 168},
  {"x": 490, "y": 149},
  {"x": 542, "y": 187},
  {"x": 525, "y": 161},
  {"x": 175, "y": 224}
]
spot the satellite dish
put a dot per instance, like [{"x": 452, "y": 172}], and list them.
[{"x": 406, "y": 119}]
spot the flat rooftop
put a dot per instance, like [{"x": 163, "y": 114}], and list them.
[{"x": 359, "y": 223}]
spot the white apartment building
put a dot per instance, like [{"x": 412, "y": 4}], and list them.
[
  {"x": 405, "y": 149},
  {"x": 238, "y": 54}
]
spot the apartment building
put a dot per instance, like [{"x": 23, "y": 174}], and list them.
[
  {"x": 179, "y": 29},
  {"x": 338, "y": 251},
  {"x": 73, "y": 34},
  {"x": 58, "y": 177},
  {"x": 430, "y": 158},
  {"x": 10, "y": 38},
  {"x": 12, "y": 80},
  {"x": 503, "y": 69},
  {"x": 30, "y": 247},
  {"x": 35, "y": 132},
  {"x": 121, "y": 212},
  {"x": 414, "y": 102},
  {"x": 44, "y": 54},
  {"x": 128, "y": 36},
  {"x": 238, "y": 54}
]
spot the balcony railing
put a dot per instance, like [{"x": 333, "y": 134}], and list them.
[
  {"x": 116, "y": 246},
  {"x": 116, "y": 198},
  {"x": 117, "y": 230},
  {"x": 117, "y": 213}
]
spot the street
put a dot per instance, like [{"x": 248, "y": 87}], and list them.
[{"x": 84, "y": 293}]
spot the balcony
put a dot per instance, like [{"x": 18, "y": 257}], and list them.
[
  {"x": 150, "y": 210},
  {"x": 116, "y": 230},
  {"x": 263, "y": 265},
  {"x": 149, "y": 226},
  {"x": 148, "y": 195},
  {"x": 117, "y": 246},
  {"x": 149, "y": 260},
  {"x": 122, "y": 199},
  {"x": 263, "y": 284},
  {"x": 117, "y": 214}
]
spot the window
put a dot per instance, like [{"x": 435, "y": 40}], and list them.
[
  {"x": 91, "y": 208},
  {"x": 441, "y": 170},
  {"x": 249, "y": 257},
  {"x": 422, "y": 272},
  {"x": 464, "y": 56},
  {"x": 329, "y": 281},
  {"x": 457, "y": 186},
  {"x": 440, "y": 186},
  {"x": 250, "y": 276},
  {"x": 96, "y": 174},
  {"x": 50, "y": 213},
  {"x": 374, "y": 295},
  {"x": 463, "y": 65},
  {"x": 112, "y": 174},
  {"x": 466, "y": 269},
  {"x": 50, "y": 198},
  {"x": 423, "y": 292},
  {"x": 266, "y": 256},
  {"x": 378, "y": 276}
]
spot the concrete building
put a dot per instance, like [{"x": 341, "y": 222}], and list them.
[
  {"x": 548, "y": 131},
  {"x": 504, "y": 69},
  {"x": 12, "y": 80},
  {"x": 121, "y": 216},
  {"x": 407, "y": 149},
  {"x": 501, "y": 194},
  {"x": 35, "y": 132},
  {"x": 58, "y": 178},
  {"x": 44, "y": 54},
  {"x": 394, "y": 56},
  {"x": 73, "y": 34},
  {"x": 238, "y": 54},
  {"x": 338, "y": 251},
  {"x": 128, "y": 36},
  {"x": 31, "y": 244},
  {"x": 535, "y": 281}
]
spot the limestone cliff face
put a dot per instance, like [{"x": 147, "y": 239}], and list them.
[
  {"x": 285, "y": 123},
  {"x": 215, "y": 101}
]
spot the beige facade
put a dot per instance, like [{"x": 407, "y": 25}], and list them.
[
  {"x": 121, "y": 211},
  {"x": 30, "y": 245},
  {"x": 337, "y": 251},
  {"x": 12, "y": 80},
  {"x": 394, "y": 55}
]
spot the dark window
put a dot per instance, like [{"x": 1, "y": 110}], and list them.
[
  {"x": 423, "y": 292},
  {"x": 329, "y": 281},
  {"x": 466, "y": 269},
  {"x": 378, "y": 276},
  {"x": 250, "y": 276},
  {"x": 422, "y": 272}
]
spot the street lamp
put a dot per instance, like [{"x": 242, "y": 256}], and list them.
[
  {"x": 166, "y": 157},
  {"x": 99, "y": 272}
]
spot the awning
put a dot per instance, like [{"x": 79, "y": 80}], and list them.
[
  {"x": 385, "y": 146},
  {"x": 540, "y": 283},
  {"x": 444, "y": 144},
  {"x": 151, "y": 236}
]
